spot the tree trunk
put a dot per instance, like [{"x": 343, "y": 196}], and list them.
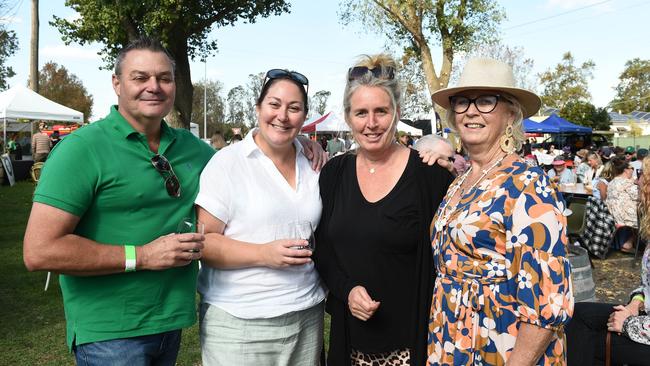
[
  {"x": 184, "y": 88},
  {"x": 33, "y": 54}
]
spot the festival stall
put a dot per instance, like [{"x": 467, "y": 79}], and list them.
[
  {"x": 328, "y": 122},
  {"x": 20, "y": 102}
]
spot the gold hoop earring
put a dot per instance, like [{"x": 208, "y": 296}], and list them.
[{"x": 507, "y": 141}]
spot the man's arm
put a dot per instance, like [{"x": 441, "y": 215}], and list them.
[
  {"x": 50, "y": 245},
  {"x": 314, "y": 152}
]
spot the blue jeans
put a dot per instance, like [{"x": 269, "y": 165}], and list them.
[{"x": 157, "y": 349}]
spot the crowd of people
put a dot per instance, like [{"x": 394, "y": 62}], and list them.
[
  {"x": 422, "y": 256},
  {"x": 41, "y": 144}
]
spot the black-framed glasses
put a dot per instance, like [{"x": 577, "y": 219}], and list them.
[
  {"x": 282, "y": 73},
  {"x": 485, "y": 103},
  {"x": 172, "y": 184},
  {"x": 378, "y": 72}
]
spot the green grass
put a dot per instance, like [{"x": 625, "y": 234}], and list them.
[{"x": 32, "y": 319}]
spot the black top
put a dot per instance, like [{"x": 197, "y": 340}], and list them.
[{"x": 385, "y": 247}]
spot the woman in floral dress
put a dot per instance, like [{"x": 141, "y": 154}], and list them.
[
  {"x": 503, "y": 293},
  {"x": 622, "y": 200}
]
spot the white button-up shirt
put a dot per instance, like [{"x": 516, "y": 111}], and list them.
[{"x": 242, "y": 187}]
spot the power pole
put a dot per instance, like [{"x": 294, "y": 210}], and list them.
[{"x": 33, "y": 54}]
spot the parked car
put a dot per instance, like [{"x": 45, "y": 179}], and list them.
[{"x": 576, "y": 141}]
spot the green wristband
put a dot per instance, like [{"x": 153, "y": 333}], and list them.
[
  {"x": 129, "y": 258},
  {"x": 639, "y": 297}
]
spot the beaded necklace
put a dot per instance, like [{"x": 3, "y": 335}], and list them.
[{"x": 446, "y": 211}]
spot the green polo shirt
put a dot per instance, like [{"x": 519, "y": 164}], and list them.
[{"x": 102, "y": 173}]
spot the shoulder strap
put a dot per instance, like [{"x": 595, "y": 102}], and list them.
[{"x": 608, "y": 349}]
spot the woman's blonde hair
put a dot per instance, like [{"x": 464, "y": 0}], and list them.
[
  {"x": 387, "y": 81},
  {"x": 217, "y": 141},
  {"x": 608, "y": 172},
  {"x": 644, "y": 204},
  {"x": 595, "y": 156},
  {"x": 518, "y": 134}
]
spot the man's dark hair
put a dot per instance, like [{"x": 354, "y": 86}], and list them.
[{"x": 142, "y": 43}]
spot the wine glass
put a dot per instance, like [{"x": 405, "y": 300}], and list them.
[
  {"x": 297, "y": 230},
  {"x": 187, "y": 225}
]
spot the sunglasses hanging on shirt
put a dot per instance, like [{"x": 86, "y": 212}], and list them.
[{"x": 172, "y": 184}]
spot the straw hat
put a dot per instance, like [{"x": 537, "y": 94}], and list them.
[{"x": 489, "y": 74}]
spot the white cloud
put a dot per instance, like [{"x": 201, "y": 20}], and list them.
[
  {"x": 69, "y": 52},
  {"x": 11, "y": 20}
]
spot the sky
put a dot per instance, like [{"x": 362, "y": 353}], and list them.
[{"x": 312, "y": 40}]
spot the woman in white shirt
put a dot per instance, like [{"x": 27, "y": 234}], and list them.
[{"x": 261, "y": 298}]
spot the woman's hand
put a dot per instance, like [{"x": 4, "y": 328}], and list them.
[
  {"x": 616, "y": 319},
  {"x": 284, "y": 253},
  {"x": 361, "y": 305}
]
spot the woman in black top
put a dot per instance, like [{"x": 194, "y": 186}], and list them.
[{"x": 374, "y": 249}]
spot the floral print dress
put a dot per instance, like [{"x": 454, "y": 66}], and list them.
[{"x": 501, "y": 260}]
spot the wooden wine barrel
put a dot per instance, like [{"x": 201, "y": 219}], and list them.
[{"x": 584, "y": 288}]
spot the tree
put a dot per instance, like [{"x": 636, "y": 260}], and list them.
[
  {"x": 522, "y": 67},
  {"x": 8, "y": 46},
  {"x": 57, "y": 84},
  {"x": 635, "y": 129},
  {"x": 215, "y": 106},
  {"x": 253, "y": 91},
  {"x": 633, "y": 90},
  {"x": 455, "y": 25},
  {"x": 33, "y": 49},
  {"x": 236, "y": 101},
  {"x": 416, "y": 101},
  {"x": 566, "y": 82},
  {"x": 318, "y": 103},
  {"x": 585, "y": 114},
  {"x": 182, "y": 25},
  {"x": 601, "y": 120}
]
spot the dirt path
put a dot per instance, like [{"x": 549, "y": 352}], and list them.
[{"x": 616, "y": 276}]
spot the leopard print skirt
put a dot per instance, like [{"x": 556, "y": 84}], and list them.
[{"x": 400, "y": 357}]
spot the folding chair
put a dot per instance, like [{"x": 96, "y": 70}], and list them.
[{"x": 576, "y": 221}]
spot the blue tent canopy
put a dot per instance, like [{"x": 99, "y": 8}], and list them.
[
  {"x": 554, "y": 124},
  {"x": 531, "y": 126}
]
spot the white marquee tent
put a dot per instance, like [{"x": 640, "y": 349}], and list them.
[
  {"x": 333, "y": 123},
  {"x": 328, "y": 122},
  {"x": 21, "y": 102},
  {"x": 401, "y": 126}
]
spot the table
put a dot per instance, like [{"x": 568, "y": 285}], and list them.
[
  {"x": 574, "y": 190},
  {"x": 21, "y": 170}
]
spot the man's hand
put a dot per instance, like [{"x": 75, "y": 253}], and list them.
[
  {"x": 173, "y": 250},
  {"x": 431, "y": 157},
  {"x": 314, "y": 152},
  {"x": 361, "y": 305},
  {"x": 434, "y": 149},
  {"x": 285, "y": 253}
]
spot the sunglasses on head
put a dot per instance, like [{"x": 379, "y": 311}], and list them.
[
  {"x": 282, "y": 73},
  {"x": 163, "y": 167},
  {"x": 378, "y": 72}
]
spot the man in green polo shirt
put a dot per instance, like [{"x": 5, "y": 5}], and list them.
[{"x": 105, "y": 211}]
